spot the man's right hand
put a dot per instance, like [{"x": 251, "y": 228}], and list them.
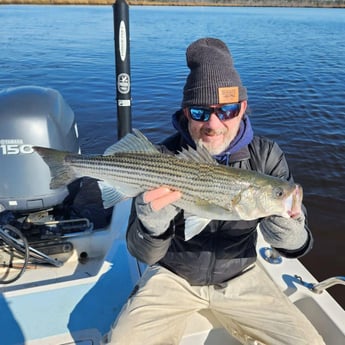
[
  {"x": 161, "y": 197},
  {"x": 155, "y": 210}
]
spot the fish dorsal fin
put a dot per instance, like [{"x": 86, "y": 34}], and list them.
[
  {"x": 200, "y": 155},
  {"x": 132, "y": 142}
]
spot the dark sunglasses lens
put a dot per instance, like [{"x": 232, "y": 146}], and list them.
[
  {"x": 198, "y": 114},
  {"x": 229, "y": 111}
]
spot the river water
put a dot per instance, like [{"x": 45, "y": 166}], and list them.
[{"x": 292, "y": 61}]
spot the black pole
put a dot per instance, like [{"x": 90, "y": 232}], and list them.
[{"x": 123, "y": 74}]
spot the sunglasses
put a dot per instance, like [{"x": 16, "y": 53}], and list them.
[{"x": 225, "y": 112}]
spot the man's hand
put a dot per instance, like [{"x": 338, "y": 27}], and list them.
[
  {"x": 287, "y": 233},
  {"x": 161, "y": 197},
  {"x": 155, "y": 210}
]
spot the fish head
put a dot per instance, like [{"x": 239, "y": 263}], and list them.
[
  {"x": 271, "y": 197},
  {"x": 293, "y": 202}
]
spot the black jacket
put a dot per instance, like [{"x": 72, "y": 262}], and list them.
[{"x": 224, "y": 249}]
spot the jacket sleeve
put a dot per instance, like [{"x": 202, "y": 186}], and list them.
[
  {"x": 142, "y": 245},
  {"x": 289, "y": 238}
]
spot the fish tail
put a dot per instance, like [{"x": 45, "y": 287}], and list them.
[{"x": 61, "y": 172}]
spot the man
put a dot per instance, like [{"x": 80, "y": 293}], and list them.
[{"x": 216, "y": 268}]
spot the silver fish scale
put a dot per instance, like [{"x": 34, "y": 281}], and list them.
[{"x": 196, "y": 181}]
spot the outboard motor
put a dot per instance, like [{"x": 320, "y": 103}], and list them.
[
  {"x": 32, "y": 116},
  {"x": 33, "y": 229},
  {"x": 39, "y": 225}
]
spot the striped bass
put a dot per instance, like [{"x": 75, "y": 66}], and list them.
[{"x": 209, "y": 190}]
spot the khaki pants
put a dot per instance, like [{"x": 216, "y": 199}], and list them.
[{"x": 250, "y": 307}]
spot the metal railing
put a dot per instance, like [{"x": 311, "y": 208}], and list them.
[{"x": 320, "y": 287}]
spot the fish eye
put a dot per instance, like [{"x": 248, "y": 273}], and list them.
[{"x": 278, "y": 192}]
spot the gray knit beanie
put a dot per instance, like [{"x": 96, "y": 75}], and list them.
[{"x": 213, "y": 78}]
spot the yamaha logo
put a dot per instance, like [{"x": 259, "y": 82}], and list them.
[{"x": 14, "y": 147}]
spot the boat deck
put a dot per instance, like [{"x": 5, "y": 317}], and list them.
[{"x": 77, "y": 302}]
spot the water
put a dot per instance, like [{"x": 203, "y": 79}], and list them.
[{"x": 291, "y": 60}]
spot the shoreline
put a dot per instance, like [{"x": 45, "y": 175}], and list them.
[{"x": 215, "y": 3}]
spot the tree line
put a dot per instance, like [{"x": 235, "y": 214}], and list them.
[{"x": 244, "y": 3}]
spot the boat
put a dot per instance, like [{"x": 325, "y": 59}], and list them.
[{"x": 65, "y": 273}]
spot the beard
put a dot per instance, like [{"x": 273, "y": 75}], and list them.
[{"x": 214, "y": 147}]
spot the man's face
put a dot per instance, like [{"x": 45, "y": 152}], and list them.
[{"x": 215, "y": 134}]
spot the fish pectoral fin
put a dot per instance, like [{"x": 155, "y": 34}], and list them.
[
  {"x": 236, "y": 199},
  {"x": 194, "y": 225},
  {"x": 135, "y": 142},
  {"x": 110, "y": 195}
]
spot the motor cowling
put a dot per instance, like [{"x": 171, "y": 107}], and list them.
[{"x": 32, "y": 116}]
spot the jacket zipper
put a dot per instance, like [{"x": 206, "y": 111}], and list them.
[{"x": 213, "y": 255}]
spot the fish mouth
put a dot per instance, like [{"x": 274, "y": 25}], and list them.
[{"x": 293, "y": 203}]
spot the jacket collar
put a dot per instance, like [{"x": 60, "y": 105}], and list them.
[{"x": 241, "y": 155}]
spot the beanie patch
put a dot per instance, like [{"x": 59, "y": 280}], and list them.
[{"x": 228, "y": 94}]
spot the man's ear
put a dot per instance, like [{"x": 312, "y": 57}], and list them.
[{"x": 244, "y": 105}]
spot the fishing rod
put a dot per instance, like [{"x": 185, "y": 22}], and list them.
[{"x": 122, "y": 60}]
